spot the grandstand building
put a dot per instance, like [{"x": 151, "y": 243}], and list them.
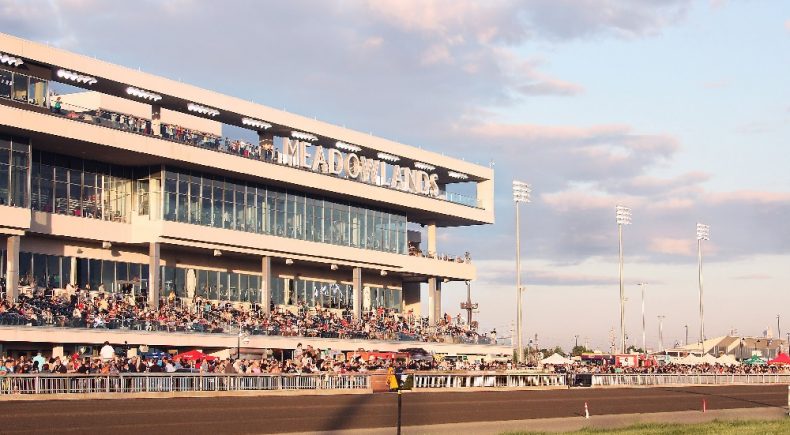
[{"x": 117, "y": 180}]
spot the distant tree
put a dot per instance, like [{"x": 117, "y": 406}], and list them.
[
  {"x": 578, "y": 350},
  {"x": 633, "y": 348}
]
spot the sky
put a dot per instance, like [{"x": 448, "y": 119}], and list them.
[{"x": 679, "y": 109}]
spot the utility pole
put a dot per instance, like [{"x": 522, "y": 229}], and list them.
[
  {"x": 577, "y": 340},
  {"x": 661, "y": 333},
  {"x": 643, "y": 285},
  {"x": 687, "y": 334}
]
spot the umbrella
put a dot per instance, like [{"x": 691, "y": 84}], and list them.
[
  {"x": 782, "y": 359},
  {"x": 193, "y": 355},
  {"x": 754, "y": 361}
]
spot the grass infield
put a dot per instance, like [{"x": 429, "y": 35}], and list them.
[{"x": 737, "y": 427}]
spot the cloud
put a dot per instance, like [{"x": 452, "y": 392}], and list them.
[
  {"x": 753, "y": 277},
  {"x": 787, "y": 25},
  {"x": 664, "y": 245}
]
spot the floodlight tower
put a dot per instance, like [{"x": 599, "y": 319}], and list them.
[
  {"x": 521, "y": 193},
  {"x": 703, "y": 233},
  {"x": 623, "y": 215}
]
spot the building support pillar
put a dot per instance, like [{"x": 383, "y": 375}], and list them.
[
  {"x": 156, "y": 123},
  {"x": 73, "y": 271},
  {"x": 266, "y": 283},
  {"x": 154, "y": 270},
  {"x": 358, "y": 290},
  {"x": 432, "y": 239},
  {"x": 12, "y": 268},
  {"x": 411, "y": 298},
  {"x": 434, "y": 300}
]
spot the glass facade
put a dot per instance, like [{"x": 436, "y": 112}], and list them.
[
  {"x": 77, "y": 187},
  {"x": 201, "y": 199},
  {"x": 23, "y": 88},
  {"x": 218, "y": 285},
  {"x": 330, "y": 294},
  {"x": 14, "y": 162},
  {"x": 55, "y": 271}
]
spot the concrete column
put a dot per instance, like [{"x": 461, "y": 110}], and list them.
[
  {"x": 266, "y": 142},
  {"x": 156, "y": 116},
  {"x": 153, "y": 274},
  {"x": 266, "y": 283},
  {"x": 434, "y": 300},
  {"x": 12, "y": 268},
  {"x": 411, "y": 297},
  {"x": 432, "y": 238},
  {"x": 73, "y": 271},
  {"x": 357, "y": 284}
]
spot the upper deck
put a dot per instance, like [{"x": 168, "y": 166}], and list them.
[{"x": 312, "y": 155}]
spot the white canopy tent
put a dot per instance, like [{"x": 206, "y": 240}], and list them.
[
  {"x": 727, "y": 360},
  {"x": 556, "y": 359}
]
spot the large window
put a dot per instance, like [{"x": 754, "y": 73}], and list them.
[
  {"x": 77, "y": 187},
  {"x": 23, "y": 88},
  {"x": 14, "y": 163},
  {"x": 325, "y": 294},
  {"x": 210, "y": 201}
]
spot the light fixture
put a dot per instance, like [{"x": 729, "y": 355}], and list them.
[
  {"x": 257, "y": 123},
  {"x": 303, "y": 136},
  {"x": 289, "y": 261},
  {"x": 202, "y": 109},
  {"x": 217, "y": 253},
  {"x": 347, "y": 147},
  {"x": 106, "y": 245},
  {"x": 334, "y": 267},
  {"x": 75, "y": 77},
  {"x": 424, "y": 166},
  {"x": 135, "y": 92},
  {"x": 10, "y": 60},
  {"x": 623, "y": 215},
  {"x": 457, "y": 175},
  {"x": 703, "y": 232},
  {"x": 521, "y": 191},
  {"x": 383, "y": 273},
  {"x": 388, "y": 157}
]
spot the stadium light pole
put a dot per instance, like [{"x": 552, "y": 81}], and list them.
[
  {"x": 703, "y": 233},
  {"x": 643, "y": 285},
  {"x": 661, "y": 333},
  {"x": 521, "y": 193},
  {"x": 623, "y": 215}
]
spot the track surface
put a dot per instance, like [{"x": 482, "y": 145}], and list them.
[{"x": 271, "y": 414}]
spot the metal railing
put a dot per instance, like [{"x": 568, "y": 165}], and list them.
[
  {"x": 626, "y": 380},
  {"x": 436, "y": 380},
  {"x": 176, "y": 382}
]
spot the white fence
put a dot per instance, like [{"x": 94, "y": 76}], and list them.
[
  {"x": 175, "y": 382},
  {"x": 493, "y": 380},
  {"x": 626, "y": 380}
]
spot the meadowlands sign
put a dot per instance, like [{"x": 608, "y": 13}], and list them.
[{"x": 335, "y": 162}]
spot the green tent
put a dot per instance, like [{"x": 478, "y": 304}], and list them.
[{"x": 754, "y": 361}]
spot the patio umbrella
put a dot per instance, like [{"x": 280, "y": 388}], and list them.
[
  {"x": 193, "y": 355},
  {"x": 754, "y": 361},
  {"x": 780, "y": 359}
]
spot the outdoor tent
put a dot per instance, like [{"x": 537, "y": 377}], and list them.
[
  {"x": 781, "y": 359},
  {"x": 708, "y": 359},
  {"x": 193, "y": 355},
  {"x": 556, "y": 359},
  {"x": 690, "y": 360},
  {"x": 727, "y": 360},
  {"x": 754, "y": 361}
]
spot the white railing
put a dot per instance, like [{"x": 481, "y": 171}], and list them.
[
  {"x": 434, "y": 380},
  {"x": 176, "y": 382},
  {"x": 605, "y": 380}
]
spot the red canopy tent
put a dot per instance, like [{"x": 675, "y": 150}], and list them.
[
  {"x": 193, "y": 355},
  {"x": 782, "y": 358}
]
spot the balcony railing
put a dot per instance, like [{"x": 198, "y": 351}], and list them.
[{"x": 182, "y": 135}]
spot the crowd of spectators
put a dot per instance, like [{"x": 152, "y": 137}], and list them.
[
  {"x": 84, "y": 309},
  {"x": 684, "y": 369}
]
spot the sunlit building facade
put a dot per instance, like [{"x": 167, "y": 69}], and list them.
[{"x": 117, "y": 179}]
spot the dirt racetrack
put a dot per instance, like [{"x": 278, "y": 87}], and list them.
[{"x": 272, "y": 414}]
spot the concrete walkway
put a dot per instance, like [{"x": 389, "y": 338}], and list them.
[{"x": 576, "y": 423}]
